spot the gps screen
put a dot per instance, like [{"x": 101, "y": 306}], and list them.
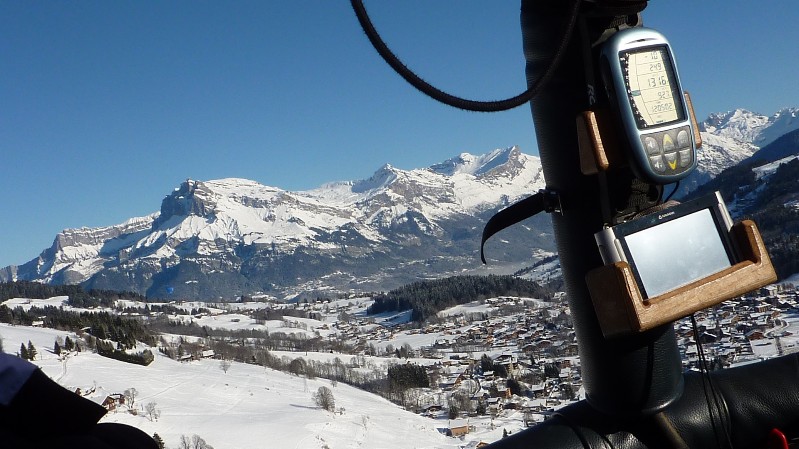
[{"x": 651, "y": 87}]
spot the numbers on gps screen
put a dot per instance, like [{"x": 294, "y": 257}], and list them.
[
  {"x": 659, "y": 81},
  {"x": 663, "y": 107}
]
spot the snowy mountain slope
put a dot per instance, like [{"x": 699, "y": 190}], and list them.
[
  {"x": 720, "y": 152},
  {"x": 770, "y": 168},
  {"x": 248, "y": 407},
  {"x": 785, "y": 146},
  {"x": 78, "y": 251},
  {"x": 747, "y": 126},
  {"x": 229, "y": 237},
  {"x": 731, "y": 137},
  {"x": 716, "y": 153}
]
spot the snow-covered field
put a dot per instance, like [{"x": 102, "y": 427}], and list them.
[{"x": 247, "y": 406}]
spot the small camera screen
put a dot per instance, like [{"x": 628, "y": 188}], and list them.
[{"x": 677, "y": 252}]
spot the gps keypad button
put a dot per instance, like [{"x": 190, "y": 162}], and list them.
[
  {"x": 686, "y": 158},
  {"x": 683, "y": 139},
  {"x": 657, "y": 163},
  {"x": 671, "y": 160},
  {"x": 651, "y": 145},
  {"x": 668, "y": 143}
]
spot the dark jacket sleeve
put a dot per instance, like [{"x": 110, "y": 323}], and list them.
[{"x": 42, "y": 409}]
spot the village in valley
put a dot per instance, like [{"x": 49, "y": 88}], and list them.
[
  {"x": 505, "y": 362},
  {"x": 535, "y": 352}
]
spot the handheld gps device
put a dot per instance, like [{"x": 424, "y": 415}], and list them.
[
  {"x": 672, "y": 247},
  {"x": 643, "y": 87}
]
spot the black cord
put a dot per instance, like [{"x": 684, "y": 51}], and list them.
[
  {"x": 676, "y": 186},
  {"x": 451, "y": 100},
  {"x": 707, "y": 380}
]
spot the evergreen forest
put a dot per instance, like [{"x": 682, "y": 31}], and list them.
[{"x": 426, "y": 298}]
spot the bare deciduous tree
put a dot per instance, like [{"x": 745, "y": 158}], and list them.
[
  {"x": 224, "y": 365},
  {"x": 195, "y": 442},
  {"x": 130, "y": 396},
  {"x": 152, "y": 411},
  {"x": 324, "y": 398}
]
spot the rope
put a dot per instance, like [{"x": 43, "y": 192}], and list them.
[{"x": 451, "y": 100}]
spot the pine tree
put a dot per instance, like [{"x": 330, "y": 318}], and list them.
[
  {"x": 159, "y": 441},
  {"x": 486, "y": 364},
  {"x": 31, "y": 351},
  {"x": 23, "y": 352},
  {"x": 56, "y": 348},
  {"x": 69, "y": 345},
  {"x": 453, "y": 411},
  {"x": 5, "y": 314}
]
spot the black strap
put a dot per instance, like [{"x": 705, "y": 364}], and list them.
[{"x": 544, "y": 200}]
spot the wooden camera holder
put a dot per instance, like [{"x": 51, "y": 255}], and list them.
[
  {"x": 619, "y": 304},
  {"x": 621, "y": 309}
]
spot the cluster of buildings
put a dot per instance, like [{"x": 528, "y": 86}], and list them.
[
  {"x": 532, "y": 348},
  {"x": 531, "y": 367},
  {"x": 757, "y": 326},
  {"x": 538, "y": 349}
]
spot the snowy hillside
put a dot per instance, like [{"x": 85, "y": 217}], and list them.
[
  {"x": 731, "y": 137},
  {"x": 243, "y": 406},
  {"x": 747, "y": 126},
  {"x": 247, "y": 407}
]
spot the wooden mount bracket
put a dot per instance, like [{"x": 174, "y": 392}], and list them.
[
  {"x": 690, "y": 106},
  {"x": 597, "y": 143},
  {"x": 622, "y": 310}
]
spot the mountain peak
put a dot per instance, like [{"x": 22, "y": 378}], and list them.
[
  {"x": 750, "y": 127},
  {"x": 476, "y": 165},
  {"x": 384, "y": 176},
  {"x": 190, "y": 198},
  {"x": 739, "y": 124}
]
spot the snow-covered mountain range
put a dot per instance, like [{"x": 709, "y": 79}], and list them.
[
  {"x": 757, "y": 129},
  {"x": 231, "y": 237},
  {"x": 731, "y": 137}
]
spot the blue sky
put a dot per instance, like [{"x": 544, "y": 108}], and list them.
[{"x": 106, "y": 106}]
